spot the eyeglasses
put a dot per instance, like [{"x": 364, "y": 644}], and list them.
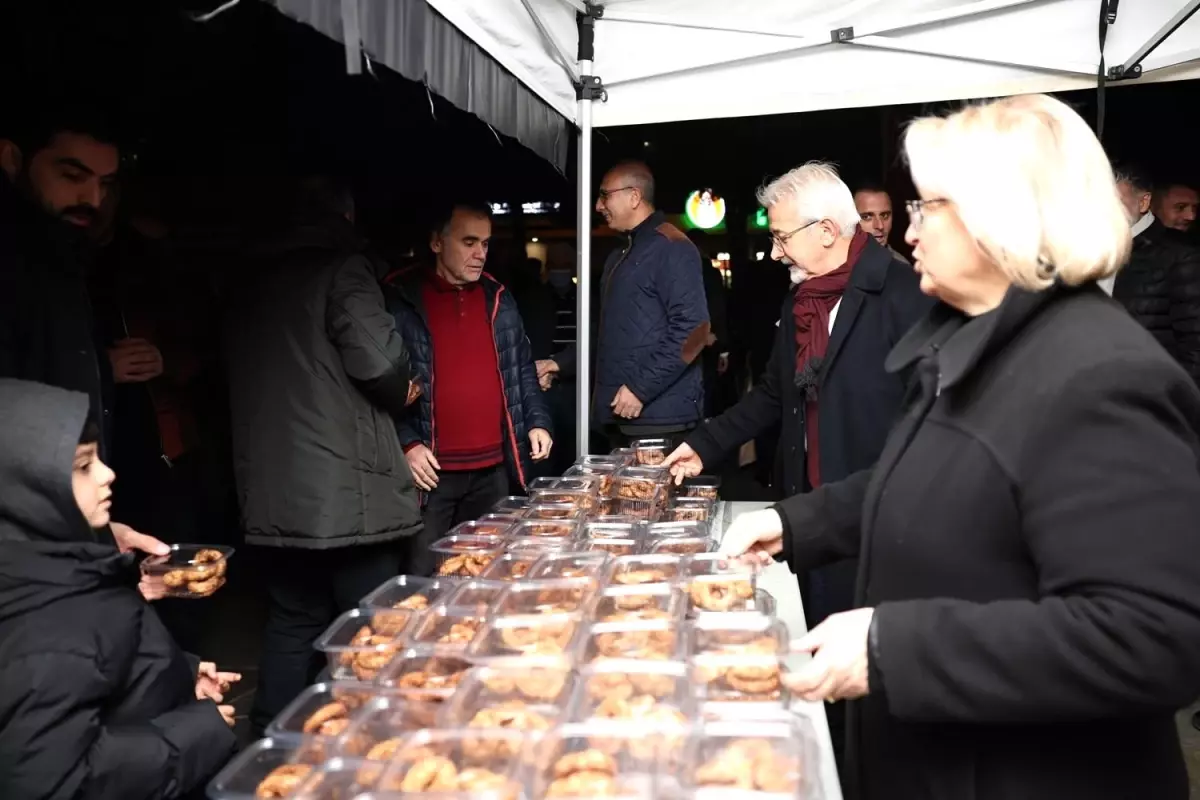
[
  {"x": 781, "y": 239},
  {"x": 604, "y": 194},
  {"x": 916, "y": 209}
]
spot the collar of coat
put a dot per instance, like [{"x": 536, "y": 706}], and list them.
[
  {"x": 958, "y": 346},
  {"x": 408, "y": 281}
]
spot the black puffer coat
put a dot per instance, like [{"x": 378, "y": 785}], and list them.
[
  {"x": 316, "y": 373},
  {"x": 1160, "y": 287},
  {"x": 525, "y": 408},
  {"x": 96, "y": 699}
]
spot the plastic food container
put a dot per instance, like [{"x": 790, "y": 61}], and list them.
[
  {"x": 569, "y": 565},
  {"x": 533, "y": 709},
  {"x": 338, "y": 779},
  {"x": 322, "y": 711},
  {"x": 706, "y": 486},
  {"x": 474, "y": 597},
  {"x": 625, "y": 454},
  {"x": 616, "y": 547},
  {"x": 649, "y": 601},
  {"x": 690, "y": 509},
  {"x": 581, "y": 492},
  {"x": 717, "y": 583},
  {"x": 409, "y": 593},
  {"x": 680, "y": 546},
  {"x": 641, "y": 492},
  {"x": 547, "y": 528},
  {"x": 678, "y": 529},
  {"x": 650, "y": 452},
  {"x": 445, "y": 630},
  {"x": 510, "y": 567},
  {"x": 737, "y": 657},
  {"x": 376, "y": 733},
  {"x": 555, "y": 511},
  {"x": 507, "y": 518},
  {"x": 267, "y": 764},
  {"x": 513, "y": 505},
  {"x": 611, "y": 527},
  {"x": 652, "y": 695},
  {"x": 421, "y": 675},
  {"x": 644, "y": 570},
  {"x": 465, "y": 556},
  {"x": 763, "y": 603},
  {"x": 546, "y": 639},
  {"x": 562, "y": 596},
  {"x": 497, "y": 527},
  {"x": 757, "y": 758},
  {"x": 189, "y": 570},
  {"x": 361, "y": 642},
  {"x": 609, "y": 760},
  {"x": 636, "y": 639},
  {"x": 535, "y": 544},
  {"x": 467, "y": 763},
  {"x": 600, "y": 467}
]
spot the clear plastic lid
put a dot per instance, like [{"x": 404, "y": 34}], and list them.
[
  {"x": 717, "y": 583},
  {"x": 706, "y": 486},
  {"x": 497, "y": 527},
  {"x": 361, "y": 641},
  {"x": 649, "y": 601},
  {"x": 445, "y": 630},
  {"x": 477, "y": 763},
  {"x": 475, "y": 597},
  {"x": 268, "y": 768},
  {"x": 599, "y": 759},
  {"x": 678, "y": 529},
  {"x": 533, "y": 685},
  {"x": 651, "y": 695},
  {"x": 651, "y": 452},
  {"x": 510, "y": 567},
  {"x": 338, "y": 779},
  {"x": 762, "y": 603},
  {"x": 507, "y": 518},
  {"x": 189, "y": 571},
  {"x": 601, "y": 470},
  {"x": 615, "y": 547},
  {"x": 535, "y": 544},
  {"x": 689, "y": 509},
  {"x": 579, "y": 491},
  {"x": 543, "y": 528},
  {"x": 625, "y": 454},
  {"x": 612, "y": 527},
  {"x": 546, "y": 638},
  {"x": 641, "y": 483},
  {"x": 752, "y": 758},
  {"x": 322, "y": 710},
  {"x": 408, "y": 593},
  {"x": 569, "y": 512},
  {"x": 512, "y": 503},
  {"x": 475, "y": 705},
  {"x": 639, "y": 639},
  {"x": 600, "y": 464},
  {"x": 377, "y": 731},
  {"x": 571, "y": 564},
  {"x": 681, "y": 546},
  {"x": 642, "y": 570},
  {"x": 465, "y": 556},
  {"x": 423, "y": 675},
  {"x": 737, "y": 657},
  {"x": 561, "y": 596}
]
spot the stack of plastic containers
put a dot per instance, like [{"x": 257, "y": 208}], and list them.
[{"x": 584, "y": 641}]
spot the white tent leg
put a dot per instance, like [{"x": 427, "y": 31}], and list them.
[{"x": 583, "y": 291}]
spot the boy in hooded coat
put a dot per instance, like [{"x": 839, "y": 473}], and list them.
[{"x": 96, "y": 698}]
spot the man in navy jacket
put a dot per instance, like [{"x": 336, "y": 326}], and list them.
[{"x": 653, "y": 318}]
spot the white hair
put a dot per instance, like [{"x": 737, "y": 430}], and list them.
[
  {"x": 1032, "y": 185},
  {"x": 818, "y": 193}
]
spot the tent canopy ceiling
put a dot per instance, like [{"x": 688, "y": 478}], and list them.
[{"x": 670, "y": 60}]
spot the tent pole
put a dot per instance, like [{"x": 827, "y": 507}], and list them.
[
  {"x": 1132, "y": 67},
  {"x": 588, "y": 89}
]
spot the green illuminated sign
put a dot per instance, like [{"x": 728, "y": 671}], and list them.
[
  {"x": 704, "y": 209},
  {"x": 760, "y": 219}
]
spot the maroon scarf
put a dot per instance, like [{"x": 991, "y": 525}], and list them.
[{"x": 815, "y": 299}]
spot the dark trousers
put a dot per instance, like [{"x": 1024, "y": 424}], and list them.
[
  {"x": 306, "y": 590},
  {"x": 462, "y": 496},
  {"x": 623, "y": 435}
]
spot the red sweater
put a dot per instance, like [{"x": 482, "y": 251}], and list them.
[{"x": 468, "y": 396}]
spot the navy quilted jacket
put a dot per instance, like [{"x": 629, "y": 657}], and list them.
[
  {"x": 525, "y": 407},
  {"x": 653, "y": 325}
]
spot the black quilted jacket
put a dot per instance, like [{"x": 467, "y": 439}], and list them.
[
  {"x": 525, "y": 409},
  {"x": 1160, "y": 287}
]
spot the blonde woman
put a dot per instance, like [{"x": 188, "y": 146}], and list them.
[{"x": 1028, "y": 599}]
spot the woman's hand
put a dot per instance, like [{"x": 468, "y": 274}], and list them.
[
  {"x": 211, "y": 684},
  {"x": 756, "y": 535},
  {"x": 838, "y": 670}
]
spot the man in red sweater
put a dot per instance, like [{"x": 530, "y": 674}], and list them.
[{"x": 483, "y": 420}]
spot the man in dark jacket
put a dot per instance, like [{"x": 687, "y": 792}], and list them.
[
  {"x": 97, "y": 700},
  {"x": 316, "y": 373},
  {"x": 653, "y": 318},
  {"x": 1160, "y": 286},
  {"x": 483, "y": 421},
  {"x": 53, "y": 179}
]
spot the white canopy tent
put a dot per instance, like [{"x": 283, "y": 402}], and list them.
[{"x": 670, "y": 60}]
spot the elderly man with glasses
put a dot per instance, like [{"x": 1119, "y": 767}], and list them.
[{"x": 825, "y": 381}]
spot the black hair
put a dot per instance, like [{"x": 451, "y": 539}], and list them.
[
  {"x": 875, "y": 187},
  {"x": 33, "y": 131},
  {"x": 1136, "y": 176},
  {"x": 478, "y": 208},
  {"x": 90, "y": 433}
]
